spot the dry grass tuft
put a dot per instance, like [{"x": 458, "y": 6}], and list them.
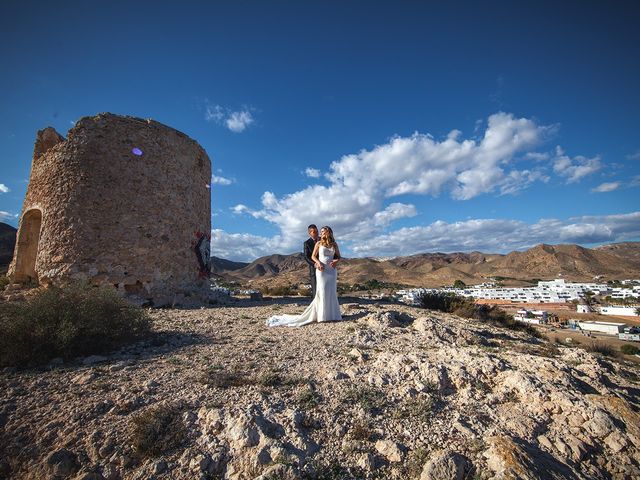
[{"x": 157, "y": 431}]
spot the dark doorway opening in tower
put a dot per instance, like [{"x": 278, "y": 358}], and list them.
[{"x": 27, "y": 247}]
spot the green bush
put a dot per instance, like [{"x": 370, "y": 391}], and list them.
[
  {"x": 467, "y": 308},
  {"x": 67, "y": 322},
  {"x": 443, "y": 301},
  {"x": 285, "y": 291},
  {"x": 629, "y": 349},
  {"x": 279, "y": 290}
]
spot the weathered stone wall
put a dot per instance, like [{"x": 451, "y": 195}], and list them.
[{"x": 124, "y": 202}]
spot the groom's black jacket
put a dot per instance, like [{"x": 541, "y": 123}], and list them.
[{"x": 309, "y": 245}]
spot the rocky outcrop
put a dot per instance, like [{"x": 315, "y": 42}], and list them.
[{"x": 392, "y": 391}]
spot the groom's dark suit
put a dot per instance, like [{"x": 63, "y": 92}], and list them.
[{"x": 308, "y": 251}]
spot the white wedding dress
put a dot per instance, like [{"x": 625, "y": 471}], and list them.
[{"x": 324, "y": 307}]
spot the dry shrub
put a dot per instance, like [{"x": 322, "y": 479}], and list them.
[
  {"x": 601, "y": 348},
  {"x": 629, "y": 349},
  {"x": 371, "y": 399},
  {"x": 67, "y": 322},
  {"x": 418, "y": 409},
  {"x": 309, "y": 397},
  {"x": 361, "y": 431},
  {"x": 157, "y": 431},
  {"x": 223, "y": 379},
  {"x": 412, "y": 467}
]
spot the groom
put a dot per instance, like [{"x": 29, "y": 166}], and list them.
[{"x": 309, "y": 245}]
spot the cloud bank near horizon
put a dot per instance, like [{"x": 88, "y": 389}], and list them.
[
  {"x": 485, "y": 235},
  {"x": 361, "y": 194}
]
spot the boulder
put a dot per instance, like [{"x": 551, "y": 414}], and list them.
[
  {"x": 392, "y": 451},
  {"x": 445, "y": 465}
]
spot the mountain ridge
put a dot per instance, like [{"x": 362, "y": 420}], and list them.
[{"x": 543, "y": 261}]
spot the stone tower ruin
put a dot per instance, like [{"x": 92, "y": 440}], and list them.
[{"x": 121, "y": 201}]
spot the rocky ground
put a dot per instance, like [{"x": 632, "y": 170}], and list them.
[{"x": 391, "y": 392}]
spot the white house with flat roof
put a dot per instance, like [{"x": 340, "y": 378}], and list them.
[
  {"x": 629, "y": 310},
  {"x": 611, "y": 328},
  {"x": 537, "y": 317},
  {"x": 622, "y": 293}
]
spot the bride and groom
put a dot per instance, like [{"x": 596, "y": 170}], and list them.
[{"x": 322, "y": 254}]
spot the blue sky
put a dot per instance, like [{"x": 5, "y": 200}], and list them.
[{"x": 408, "y": 126}]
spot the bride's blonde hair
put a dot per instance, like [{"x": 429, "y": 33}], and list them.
[{"x": 327, "y": 239}]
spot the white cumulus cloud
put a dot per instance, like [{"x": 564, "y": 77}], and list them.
[
  {"x": 362, "y": 185},
  {"x": 7, "y": 216},
  {"x": 576, "y": 168},
  {"x": 485, "y": 235},
  {"x": 235, "y": 120},
  {"x": 218, "y": 180},
  {"x": 214, "y": 113},
  {"x": 238, "y": 121},
  {"x": 362, "y": 199},
  {"x": 606, "y": 187},
  {"x": 4, "y": 188},
  {"x": 244, "y": 246},
  {"x": 312, "y": 172},
  {"x": 634, "y": 156},
  {"x": 394, "y": 212},
  {"x": 538, "y": 156},
  {"x": 500, "y": 235}
]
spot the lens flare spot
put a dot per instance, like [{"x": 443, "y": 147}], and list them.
[{"x": 136, "y": 151}]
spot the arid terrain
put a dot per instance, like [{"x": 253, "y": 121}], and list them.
[
  {"x": 572, "y": 262},
  {"x": 392, "y": 392},
  {"x": 575, "y": 263}
]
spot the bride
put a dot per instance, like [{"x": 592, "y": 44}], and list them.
[{"x": 324, "y": 307}]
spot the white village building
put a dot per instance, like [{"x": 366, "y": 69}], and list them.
[
  {"x": 538, "y": 317},
  {"x": 612, "y": 328},
  {"x": 553, "y": 291}
]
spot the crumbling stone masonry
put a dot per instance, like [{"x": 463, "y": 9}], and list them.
[{"x": 121, "y": 201}]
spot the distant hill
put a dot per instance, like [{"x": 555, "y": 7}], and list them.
[
  {"x": 572, "y": 262},
  {"x": 220, "y": 265},
  {"x": 625, "y": 250},
  {"x": 7, "y": 244},
  {"x": 272, "y": 265}
]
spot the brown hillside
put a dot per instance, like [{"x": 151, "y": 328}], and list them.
[
  {"x": 572, "y": 262},
  {"x": 270, "y": 266},
  {"x": 220, "y": 265},
  {"x": 628, "y": 251}
]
